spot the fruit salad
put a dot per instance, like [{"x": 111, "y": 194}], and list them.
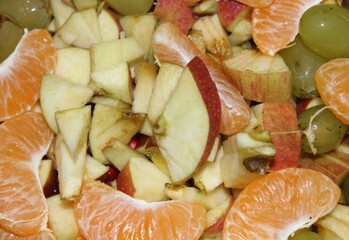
[{"x": 174, "y": 119}]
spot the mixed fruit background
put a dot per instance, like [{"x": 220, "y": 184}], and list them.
[{"x": 174, "y": 119}]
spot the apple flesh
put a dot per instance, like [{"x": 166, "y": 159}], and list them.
[
  {"x": 259, "y": 77},
  {"x": 189, "y": 124},
  {"x": 61, "y": 218},
  {"x": 141, "y": 179},
  {"x": 216, "y": 217}
]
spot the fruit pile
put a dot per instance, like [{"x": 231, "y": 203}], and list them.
[{"x": 174, "y": 119}]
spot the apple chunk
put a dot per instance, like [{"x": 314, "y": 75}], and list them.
[
  {"x": 258, "y": 77},
  {"x": 189, "y": 124},
  {"x": 141, "y": 179}
]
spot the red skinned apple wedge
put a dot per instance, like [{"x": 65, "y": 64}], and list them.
[
  {"x": 189, "y": 124},
  {"x": 171, "y": 45},
  {"x": 280, "y": 119},
  {"x": 176, "y": 12}
]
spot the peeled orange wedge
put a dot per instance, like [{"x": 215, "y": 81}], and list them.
[
  {"x": 105, "y": 213},
  {"x": 22, "y": 71},
  {"x": 275, "y": 206}
]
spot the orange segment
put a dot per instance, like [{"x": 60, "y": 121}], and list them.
[
  {"x": 24, "y": 141},
  {"x": 104, "y": 213},
  {"x": 44, "y": 235},
  {"x": 275, "y": 206},
  {"x": 256, "y": 3},
  {"x": 275, "y": 26},
  {"x": 21, "y": 73},
  {"x": 332, "y": 82}
]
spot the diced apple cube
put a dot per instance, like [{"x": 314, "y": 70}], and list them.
[
  {"x": 106, "y": 54},
  {"x": 114, "y": 81},
  {"x": 108, "y": 25},
  {"x": 61, "y": 12},
  {"x": 81, "y": 29},
  {"x": 141, "y": 179},
  {"x": 140, "y": 27},
  {"x": 61, "y": 218},
  {"x": 85, "y": 4},
  {"x": 94, "y": 169},
  {"x": 58, "y": 94},
  {"x": 74, "y": 64}
]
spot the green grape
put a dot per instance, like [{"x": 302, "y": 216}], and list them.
[
  {"x": 303, "y": 64},
  {"x": 328, "y": 131},
  {"x": 130, "y": 7},
  {"x": 10, "y": 34},
  {"x": 345, "y": 188},
  {"x": 324, "y": 28},
  {"x": 306, "y": 235},
  {"x": 29, "y": 13}
]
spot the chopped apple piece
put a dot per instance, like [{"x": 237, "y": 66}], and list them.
[
  {"x": 189, "y": 124},
  {"x": 141, "y": 27},
  {"x": 74, "y": 125},
  {"x": 70, "y": 170},
  {"x": 280, "y": 118},
  {"x": 141, "y": 179},
  {"x": 85, "y": 4},
  {"x": 145, "y": 76},
  {"x": 106, "y": 54},
  {"x": 241, "y": 33},
  {"x": 94, "y": 169},
  {"x": 58, "y": 42},
  {"x": 216, "y": 217},
  {"x": 154, "y": 154},
  {"x": 81, "y": 29},
  {"x": 206, "y": 7},
  {"x": 165, "y": 83},
  {"x": 108, "y": 25},
  {"x": 114, "y": 81},
  {"x": 61, "y": 218},
  {"x": 176, "y": 12},
  {"x": 112, "y": 102},
  {"x": 70, "y": 149},
  {"x": 333, "y": 164},
  {"x": 259, "y": 77},
  {"x": 119, "y": 154},
  {"x": 210, "y": 199},
  {"x": 110, "y": 124},
  {"x": 215, "y": 36},
  {"x": 58, "y": 94},
  {"x": 335, "y": 224},
  {"x": 209, "y": 176},
  {"x": 61, "y": 12},
  {"x": 73, "y": 64}
]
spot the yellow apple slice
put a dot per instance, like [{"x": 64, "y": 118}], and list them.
[{"x": 189, "y": 124}]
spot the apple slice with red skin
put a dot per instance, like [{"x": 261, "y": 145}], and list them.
[
  {"x": 189, "y": 124},
  {"x": 280, "y": 118},
  {"x": 176, "y": 12},
  {"x": 216, "y": 217},
  {"x": 231, "y": 12}
]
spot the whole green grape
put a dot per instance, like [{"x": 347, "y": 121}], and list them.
[
  {"x": 306, "y": 235},
  {"x": 324, "y": 28},
  {"x": 29, "y": 13},
  {"x": 303, "y": 64},
  {"x": 10, "y": 34},
  {"x": 130, "y": 7},
  {"x": 325, "y": 131}
]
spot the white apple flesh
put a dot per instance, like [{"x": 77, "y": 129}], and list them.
[{"x": 189, "y": 124}]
